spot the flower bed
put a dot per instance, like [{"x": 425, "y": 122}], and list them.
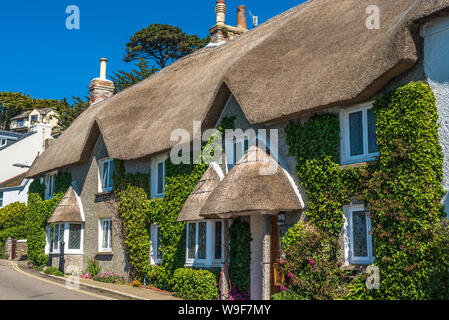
[{"x": 109, "y": 277}]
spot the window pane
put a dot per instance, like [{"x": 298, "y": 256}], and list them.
[
  {"x": 75, "y": 236},
  {"x": 359, "y": 234},
  {"x": 356, "y": 133},
  {"x": 104, "y": 175},
  {"x": 218, "y": 240},
  {"x": 202, "y": 240},
  {"x": 192, "y": 241},
  {"x": 107, "y": 234},
  {"x": 160, "y": 178},
  {"x": 372, "y": 140},
  {"x": 158, "y": 244},
  {"x": 111, "y": 172}
]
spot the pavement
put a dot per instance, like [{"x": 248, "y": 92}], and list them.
[{"x": 18, "y": 282}]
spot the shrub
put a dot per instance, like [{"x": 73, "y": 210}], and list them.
[
  {"x": 109, "y": 277},
  {"x": 53, "y": 271},
  {"x": 93, "y": 267},
  {"x": 193, "y": 284},
  {"x": 12, "y": 221},
  {"x": 311, "y": 267}
]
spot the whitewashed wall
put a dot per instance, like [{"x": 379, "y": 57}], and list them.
[
  {"x": 436, "y": 64},
  {"x": 19, "y": 194},
  {"x": 23, "y": 151}
]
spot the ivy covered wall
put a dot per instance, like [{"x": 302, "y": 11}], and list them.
[
  {"x": 402, "y": 191},
  {"x": 38, "y": 213}
]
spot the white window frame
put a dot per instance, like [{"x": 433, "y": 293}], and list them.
[
  {"x": 153, "y": 245},
  {"x": 60, "y": 237},
  {"x": 155, "y": 176},
  {"x": 49, "y": 181},
  {"x": 210, "y": 260},
  {"x": 101, "y": 233},
  {"x": 101, "y": 164},
  {"x": 350, "y": 259},
  {"x": 67, "y": 237},
  {"x": 346, "y": 157}
]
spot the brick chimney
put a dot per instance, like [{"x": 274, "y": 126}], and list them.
[
  {"x": 101, "y": 88},
  {"x": 241, "y": 17},
  {"x": 220, "y": 33}
]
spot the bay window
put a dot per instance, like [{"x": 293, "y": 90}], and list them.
[
  {"x": 70, "y": 233},
  {"x": 204, "y": 245}
]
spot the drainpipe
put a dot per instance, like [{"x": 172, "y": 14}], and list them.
[{"x": 266, "y": 258}]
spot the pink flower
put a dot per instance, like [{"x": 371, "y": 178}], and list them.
[
  {"x": 283, "y": 288},
  {"x": 291, "y": 275},
  {"x": 312, "y": 263}
]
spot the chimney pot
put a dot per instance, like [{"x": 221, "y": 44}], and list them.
[
  {"x": 103, "y": 62},
  {"x": 220, "y": 11},
  {"x": 241, "y": 17}
]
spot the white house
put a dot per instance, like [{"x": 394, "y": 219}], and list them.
[{"x": 15, "y": 159}]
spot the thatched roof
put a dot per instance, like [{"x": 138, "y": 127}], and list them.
[
  {"x": 69, "y": 209},
  {"x": 257, "y": 183},
  {"x": 208, "y": 182},
  {"x": 316, "y": 55}
]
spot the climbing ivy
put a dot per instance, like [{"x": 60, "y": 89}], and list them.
[
  {"x": 38, "y": 213},
  {"x": 240, "y": 258},
  {"x": 402, "y": 191},
  {"x": 138, "y": 213}
]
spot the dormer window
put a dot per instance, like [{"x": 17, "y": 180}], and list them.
[
  {"x": 358, "y": 130},
  {"x": 106, "y": 171},
  {"x": 235, "y": 150},
  {"x": 49, "y": 186},
  {"x": 34, "y": 118}
]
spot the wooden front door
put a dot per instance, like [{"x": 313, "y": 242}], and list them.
[{"x": 275, "y": 254}]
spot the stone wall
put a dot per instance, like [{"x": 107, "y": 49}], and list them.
[{"x": 21, "y": 249}]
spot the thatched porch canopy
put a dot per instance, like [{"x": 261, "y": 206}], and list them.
[
  {"x": 209, "y": 181},
  {"x": 256, "y": 184},
  {"x": 68, "y": 210}
]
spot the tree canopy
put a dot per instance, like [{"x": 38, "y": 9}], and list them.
[
  {"x": 13, "y": 103},
  {"x": 123, "y": 79},
  {"x": 162, "y": 43}
]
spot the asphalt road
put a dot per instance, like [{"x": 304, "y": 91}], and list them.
[{"x": 16, "y": 284}]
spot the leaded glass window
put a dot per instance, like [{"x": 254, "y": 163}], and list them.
[
  {"x": 74, "y": 236},
  {"x": 191, "y": 240},
  {"x": 202, "y": 233},
  {"x": 360, "y": 235}
]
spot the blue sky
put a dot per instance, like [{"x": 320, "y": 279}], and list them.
[{"x": 41, "y": 57}]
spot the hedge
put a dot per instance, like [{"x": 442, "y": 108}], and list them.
[{"x": 193, "y": 284}]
